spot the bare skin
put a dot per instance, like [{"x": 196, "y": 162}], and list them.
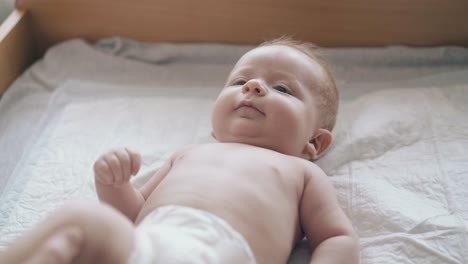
[
  {"x": 62, "y": 247},
  {"x": 263, "y": 197},
  {"x": 277, "y": 225},
  {"x": 272, "y": 199},
  {"x": 257, "y": 178}
]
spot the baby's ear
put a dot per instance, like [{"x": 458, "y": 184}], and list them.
[{"x": 319, "y": 143}]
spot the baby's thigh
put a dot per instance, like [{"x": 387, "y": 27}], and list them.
[{"x": 108, "y": 234}]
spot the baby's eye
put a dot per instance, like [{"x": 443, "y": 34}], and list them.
[
  {"x": 240, "y": 83},
  {"x": 282, "y": 89}
]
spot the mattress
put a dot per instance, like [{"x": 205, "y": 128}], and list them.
[{"x": 399, "y": 160}]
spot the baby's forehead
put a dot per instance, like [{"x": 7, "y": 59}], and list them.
[
  {"x": 271, "y": 52},
  {"x": 285, "y": 58}
]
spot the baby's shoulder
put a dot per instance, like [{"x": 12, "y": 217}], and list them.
[
  {"x": 184, "y": 150},
  {"x": 309, "y": 168}
]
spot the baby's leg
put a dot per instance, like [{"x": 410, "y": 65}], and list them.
[
  {"x": 61, "y": 248},
  {"x": 108, "y": 234}
]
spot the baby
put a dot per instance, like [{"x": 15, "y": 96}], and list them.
[{"x": 249, "y": 198}]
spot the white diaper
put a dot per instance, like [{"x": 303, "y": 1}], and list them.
[{"x": 178, "y": 234}]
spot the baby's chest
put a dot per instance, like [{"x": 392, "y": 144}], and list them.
[{"x": 240, "y": 157}]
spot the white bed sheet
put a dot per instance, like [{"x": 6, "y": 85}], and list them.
[{"x": 399, "y": 161}]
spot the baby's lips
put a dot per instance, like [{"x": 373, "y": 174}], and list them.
[{"x": 248, "y": 103}]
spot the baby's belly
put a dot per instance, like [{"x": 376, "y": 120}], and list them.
[
  {"x": 214, "y": 189},
  {"x": 261, "y": 208}
]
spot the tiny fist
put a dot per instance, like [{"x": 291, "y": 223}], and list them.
[
  {"x": 102, "y": 172},
  {"x": 135, "y": 158}
]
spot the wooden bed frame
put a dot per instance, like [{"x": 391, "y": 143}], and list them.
[{"x": 38, "y": 24}]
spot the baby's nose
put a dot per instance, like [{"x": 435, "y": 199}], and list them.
[{"x": 254, "y": 87}]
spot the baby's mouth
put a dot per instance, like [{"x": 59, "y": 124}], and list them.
[{"x": 249, "y": 104}]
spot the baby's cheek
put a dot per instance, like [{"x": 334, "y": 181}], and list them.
[{"x": 287, "y": 118}]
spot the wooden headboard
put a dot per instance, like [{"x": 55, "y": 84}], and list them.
[{"x": 38, "y": 24}]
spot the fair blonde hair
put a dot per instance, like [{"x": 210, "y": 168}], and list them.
[{"x": 327, "y": 90}]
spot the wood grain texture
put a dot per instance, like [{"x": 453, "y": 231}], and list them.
[
  {"x": 326, "y": 23},
  {"x": 16, "y": 48},
  {"x": 364, "y": 23}
]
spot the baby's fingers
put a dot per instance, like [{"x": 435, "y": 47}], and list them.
[
  {"x": 135, "y": 158},
  {"x": 125, "y": 163},
  {"x": 114, "y": 164},
  {"x": 102, "y": 172}
]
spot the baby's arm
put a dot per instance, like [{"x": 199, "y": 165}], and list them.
[
  {"x": 112, "y": 172},
  {"x": 328, "y": 230}
]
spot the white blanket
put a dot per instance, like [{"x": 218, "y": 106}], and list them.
[{"x": 399, "y": 160}]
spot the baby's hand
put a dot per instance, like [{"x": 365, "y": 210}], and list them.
[{"x": 116, "y": 166}]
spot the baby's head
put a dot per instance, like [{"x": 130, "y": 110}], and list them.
[{"x": 280, "y": 96}]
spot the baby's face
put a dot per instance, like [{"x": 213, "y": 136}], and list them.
[{"x": 269, "y": 101}]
